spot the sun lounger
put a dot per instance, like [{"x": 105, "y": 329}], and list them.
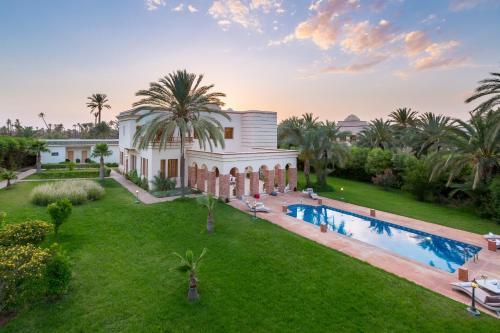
[
  {"x": 489, "y": 301},
  {"x": 492, "y": 236},
  {"x": 259, "y": 207}
]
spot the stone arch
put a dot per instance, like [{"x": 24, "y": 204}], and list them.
[
  {"x": 279, "y": 177},
  {"x": 264, "y": 179},
  {"x": 290, "y": 177},
  {"x": 236, "y": 183},
  {"x": 251, "y": 186},
  {"x": 213, "y": 181},
  {"x": 192, "y": 174}
]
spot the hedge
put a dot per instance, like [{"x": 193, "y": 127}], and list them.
[
  {"x": 53, "y": 166},
  {"x": 14, "y": 152},
  {"x": 76, "y": 173}
]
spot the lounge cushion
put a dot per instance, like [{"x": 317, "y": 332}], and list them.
[{"x": 492, "y": 299}]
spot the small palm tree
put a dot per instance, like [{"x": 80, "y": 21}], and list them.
[
  {"x": 208, "y": 201},
  {"x": 101, "y": 150},
  {"x": 178, "y": 105},
  {"x": 97, "y": 104},
  {"x": 487, "y": 88},
  {"x": 37, "y": 148},
  {"x": 190, "y": 265},
  {"x": 8, "y": 175}
]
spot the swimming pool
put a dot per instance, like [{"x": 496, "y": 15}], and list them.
[{"x": 443, "y": 253}]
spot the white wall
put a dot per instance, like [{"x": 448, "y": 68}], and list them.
[{"x": 48, "y": 158}]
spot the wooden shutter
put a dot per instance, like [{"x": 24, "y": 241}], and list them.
[{"x": 172, "y": 168}]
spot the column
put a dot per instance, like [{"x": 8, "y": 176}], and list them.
[
  {"x": 224, "y": 186},
  {"x": 254, "y": 183},
  {"x": 200, "y": 180},
  {"x": 292, "y": 178},
  {"x": 191, "y": 177},
  {"x": 211, "y": 182},
  {"x": 240, "y": 184},
  {"x": 281, "y": 179},
  {"x": 269, "y": 174}
]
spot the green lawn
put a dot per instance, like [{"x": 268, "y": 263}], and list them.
[
  {"x": 403, "y": 203},
  {"x": 256, "y": 277}
]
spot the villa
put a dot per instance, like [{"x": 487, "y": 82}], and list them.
[
  {"x": 248, "y": 164},
  {"x": 77, "y": 150},
  {"x": 353, "y": 125}
]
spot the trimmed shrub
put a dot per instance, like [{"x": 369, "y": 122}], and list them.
[
  {"x": 64, "y": 165},
  {"x": 22, "y": 269},
  {"x": 76, "y": 191},
  {"x": 378, "y": 160},
  {"x": 57, "y": 273},
  {"x": 31, "y": 232},
  {"x": 77, "y": 173},
  {"x": 112, "y": 165},
  {"x": 162, "y": 183},
  {"x": 134, "y": 178},
  {"x": 59, "y": 211}
]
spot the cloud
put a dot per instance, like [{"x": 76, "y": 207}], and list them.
[
  {"x": 267, "y": 5},
  {"x": 365, "y": 38},
  {"x": 227, "y": 12},
  {"x": 154, "y": 4},
  {"x": 416, "y": 42},
  {"x": 358, "y": 66},
  {"x": 178, "y": 8},
  {"x": 192, "y": 9},
  {"x": 434, "y": 57},
  {"x": 460, "y": 5},
  {"x": 325, "y": 26}
]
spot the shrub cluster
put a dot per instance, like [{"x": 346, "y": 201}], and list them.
[
  {"x": 31, "y": 232},
  {"x": 59, "y": 211},
  {"x": 78, "y": 173},
  {"x": 112, "y": 165},
  {"x": 15, "y": 152},
  {"x": 134, "y": 178},
  {"x": 162, "y": 183},
  {"x": 76, "y": 191}
]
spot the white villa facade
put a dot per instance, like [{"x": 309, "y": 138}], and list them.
[
  {"x": 353, "y": 125},
  {"x": 77, "y": 150},
  {"x": 249, "y": 163}
]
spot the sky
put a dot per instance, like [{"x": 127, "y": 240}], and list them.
[{"x": 329, "y": 57}]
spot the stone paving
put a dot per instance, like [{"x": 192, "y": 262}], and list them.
[{"x": 426, "y": 276}]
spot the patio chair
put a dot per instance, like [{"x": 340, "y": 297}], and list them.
[
  {"x": 259, "y": 207},
  {"x": 489, "y": 301},
  {"x": 491, "y": 236}
]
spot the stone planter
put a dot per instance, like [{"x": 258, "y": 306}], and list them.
[{"x": 323, "y": 227}]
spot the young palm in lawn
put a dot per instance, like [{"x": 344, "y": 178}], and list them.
[
  {"x": 8, "y": 175},
  {"x": 177, "y": 106},
  {"x": 490, "y": 88},
  {"x": 37, "y": 148},
  {"x": 101, "y": 150},
  {"x": 97, "y": 103},
  {"x": 209, "y": 202},
  {"x": 189, "y": 264},
  {"x": 476, "y": 144}
]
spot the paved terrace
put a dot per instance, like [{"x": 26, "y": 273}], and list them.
[{"x": 426, "y": 276}]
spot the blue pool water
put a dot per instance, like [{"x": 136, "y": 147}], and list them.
[{"x": 435, "y": 251}]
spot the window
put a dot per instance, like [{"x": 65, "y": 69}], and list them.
[
  {"x": 172, "y": 168},
  {"x": 228, "y": 132},
  {"x": 163, "y": 166},
  {"x": 54, "y": 154},
  {"x": 144, "y": 167},
  {"x": 121, "y": 158}
]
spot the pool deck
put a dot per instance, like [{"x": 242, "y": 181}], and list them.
[{"x": 423, "y": 275}]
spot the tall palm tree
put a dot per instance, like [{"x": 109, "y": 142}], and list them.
[
  {"x": 475, "y": 144},
  {"x": 101, "y": 150},
  {"x": 189, "y": 264},
  {"x": 97, "y": 104},
  {"x": 208, "y": 201},
  {"x": 37, "y": 148},
  {"x": 176, "y": 106},
  {"x": 432, "y": 131},
  {"x": 42, "y": 115},
  {"x": 490, "y": 88},
  {"x": 377, "y": 134},
  {"x": 9, "y": 126},
  {"x": 403, "y": 118}
]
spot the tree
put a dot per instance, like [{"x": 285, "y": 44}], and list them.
[
  {"x": 177, "y": 106},
  {"x": 101, "y": 150},
  {"x": 97, "y": 104},
  {"x": 189, "y": 264},
  {"x": 432, "y": 131},
  {"x": 475, "y": 144},
  {"x": 37, "y": 148},
  {"x": 42, "y": 115},
  {"x": 59, "y": 211},
  {"x": 209, "y": 202},
  {"x": 403, "y": 118},
  {"x": 8, "y": 175},
  {"x": 377, "y": 134},
  {"x": 490, "y": 88}
]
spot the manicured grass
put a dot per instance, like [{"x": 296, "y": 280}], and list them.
[
  {"x": 256, "y": 277},
  {"x": 403, "y": 203},
  {"x": 66, "y": 173}
]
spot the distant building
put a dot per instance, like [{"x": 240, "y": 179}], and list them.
[
  {"x": 353, "y": 125},
  {"x": 77, "y": 150}
]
